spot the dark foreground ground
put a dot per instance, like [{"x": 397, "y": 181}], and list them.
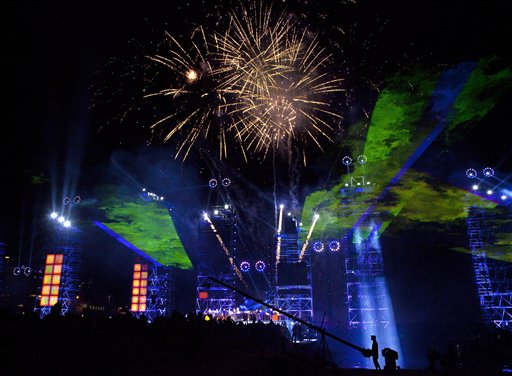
[{"x": 178, "y": 345}]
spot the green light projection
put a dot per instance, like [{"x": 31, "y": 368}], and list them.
[
  {"x": 145, "y": 224},
  {"x": 396, "y": 129}
]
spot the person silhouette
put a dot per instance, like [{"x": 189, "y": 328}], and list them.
[{"x": 375, "y": 352}]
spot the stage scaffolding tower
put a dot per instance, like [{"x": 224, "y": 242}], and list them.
[
  {"x": 215, "y": 239},
  {"x": 492, "y": 276},
  {"x": 160, "y": 293},
  {"x": 293, "y": 291},
  {"x": 366, "y": 298},
  {"x": 366, "y": 292},
  {"x": 68, "y": 242}
]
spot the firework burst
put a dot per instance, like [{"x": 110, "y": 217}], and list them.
[{"x": 260, "y": 82}]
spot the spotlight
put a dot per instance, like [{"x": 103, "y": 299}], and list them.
[
  {"x": 245, "y": 266},
  {"x": 77, "y": 200},
  {"x": 53, "y": 215},
  {"x": 212, "y": 183},
  {"x": 260, "y": 266},
  {"x": 61, "y": 219},
  {"x": 67, "y": 223},
  {"x": 205, "y": 216},
  {"x": 347, "y": 161},
  {"x": 503, "y": 197},
  {"x": 318, "y": 247},
  {"x": 362, "y": 159},
  {"x": 475, "y": 187},
  {"x": 488, "y": 172},
  {"x": 226, "y": 182},
  {"x": 216, "y": 212},
  {"x": 66, "y": 200},
  {"x": 334, "y": 246},
  {"x": 471, "y": 173},
  {"x": 489, "y": 192}
]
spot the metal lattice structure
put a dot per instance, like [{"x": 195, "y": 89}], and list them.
[
  {"x": 66, "y": 241},
  {"x": 214, "y": 262},
  {"x": 213, "y": 299},
  {"x": 366, "y": 298},
  {"x": 160, "y": 294},
  {"x": 492, "y": 277},
  {"x": 293, "y": 290}
]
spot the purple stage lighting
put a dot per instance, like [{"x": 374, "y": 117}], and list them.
[
  {"x": 471, "y": 173},
  {"x": 260, "y": 266},
  {"x": 245, "y": 266},
  {"x": 347, "y": 161},
  {"x": 488, "y": 172},
  {"x": 334, "y": 246},
  {"x": 318, "y": 247}
]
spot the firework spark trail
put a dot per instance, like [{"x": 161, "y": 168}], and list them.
[
  {"x": 226, "y": 250},
  {"x": 306, "y": 242}
]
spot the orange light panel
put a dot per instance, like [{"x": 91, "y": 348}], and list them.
[
  {"x": 51, "y": 280},
  {"x": 139, "y": 290}
]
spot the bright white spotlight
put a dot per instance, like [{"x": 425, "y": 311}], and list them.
[
  {"x": 316, "y": 216},
  {"x": 489, "y": 192},
  {"x": 226, "y": 206},
  {"x": 67, "y": 223},
  {"x": 475, "y": 187},
  {"x": 503, "y": 197},
  {"x": 53, "y": 215},
  {"x": 281, "y": 206},
  {"x": 61, "y": 219},
  {"x": 205, "y": 216},
  {"x": 216, "y": 212}
]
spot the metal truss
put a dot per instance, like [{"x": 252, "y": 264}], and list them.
[
  {"x": 160, "y": 297},
  {"x": 366, "y": 291},
  {"x": 492, "y": 277},
  {"x": 214, "y": 299}
]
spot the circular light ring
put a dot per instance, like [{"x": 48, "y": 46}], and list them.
[
  {"x": 471, "y": 173},
  {"x": 245, "y": 266},
  {"x": 213, "y": 183},
  {"x": 260, "y": 266},
  {"x": 66, "y": 200},
  {"x": 27, "y": 271},
  {"x": 16, "y": 270},
  {"x": 347, "y": 161},
  {"x": 318, "y": 247},
  {"x": 362, "y": 159},
  {"x": 488, "y": 172},
  {"x": 77, "y": 200},
  {"x": 226, "y": 182},
  {"x": 334, "y": 246}
]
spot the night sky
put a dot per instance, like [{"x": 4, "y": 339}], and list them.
[{"x": 73, "y": 70}]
